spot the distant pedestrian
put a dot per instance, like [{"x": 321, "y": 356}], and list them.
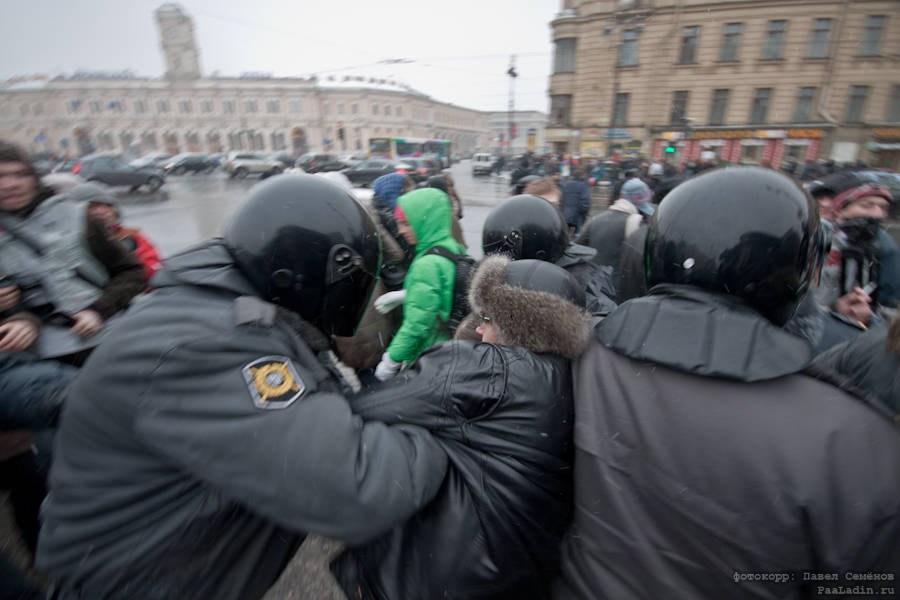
[
  {"x": 576, "y": 201},
  {"x": 104, "y": 207}
]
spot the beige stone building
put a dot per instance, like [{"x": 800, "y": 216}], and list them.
[
  {"x": 528, "y": 127},
  {"x": 760, "y": 81},
  {"x": 186, "y": 111}
]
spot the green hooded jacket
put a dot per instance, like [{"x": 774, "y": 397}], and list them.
[{"x": 429, "y": 281}]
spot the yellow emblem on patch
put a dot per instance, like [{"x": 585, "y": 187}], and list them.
[{"x": 273, "y": 382}]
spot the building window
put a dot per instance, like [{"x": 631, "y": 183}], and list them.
[
  {"x": 688, "y": 52},
  {"x": 818, "y": 39},
  {"x": 719, "y": 105},
  {"x": 340, "y": 108},
  {"x": 679, "y": 107},
  {"x": 857, "y": 103},
  {"x": 250, "y": 106},
  {"x": 326, "y": 108},
  {"x": 162, "y": 106},
  {"x": 760, "y": 106},
  {"x": 387, "y": 109},
  {"x": 803, "y": 108},
  {"x": 893, "y": 108},
  {"x": 96, "y": 106},
  {"x": 399, "y": 111},
  {"x": 354, "y": 108},
  {"x": 207, "y": 106},
  {"x": 560, "y": 110},
  {"x": 185, "y": 107},
  {"x": 278, "y": 141},
  {"x": 357, "y": 144},
  {"x": 228, "y": 107},
  {"x": 564, "y": 56},
  {"x": 871, "y": 42},
  {"x": 628, "y": 49},
  {"x": 731, "y": 42},
  {"x": 296, "y": 106},
  {"x": 74, "y": 105},
  {"x": 774, "y": 40},
  {"x": 374, "y": 109},
  {"x": 140, "y": 107},
  {"x": 620, "y": 110},
  {"x": 273, "y": 107}
]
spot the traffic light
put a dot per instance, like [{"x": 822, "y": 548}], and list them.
[
  {"x": 670, "y": 148},
  {"x": 341, "y": 133}
]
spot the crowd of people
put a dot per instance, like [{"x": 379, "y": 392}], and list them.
[{"x": 693, "y": 394}]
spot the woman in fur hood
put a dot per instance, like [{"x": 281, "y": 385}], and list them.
[{"x": 502, "y": 410}]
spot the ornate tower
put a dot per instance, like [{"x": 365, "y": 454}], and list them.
[{"x": 176, "y": 34}]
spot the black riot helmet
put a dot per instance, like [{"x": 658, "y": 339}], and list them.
[
  {"x": 307, "y": 245},
  {"x": 541, "y": 276},
  {"x": 744, "y": 231},
  {"x": 520, "y": 184},
  {"x": 525, "y": 226}
]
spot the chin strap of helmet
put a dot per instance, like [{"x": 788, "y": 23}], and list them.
[{"x": 332, "y": 367}]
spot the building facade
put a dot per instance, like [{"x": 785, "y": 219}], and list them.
[
  {"x": 184, "y": 111},
  {"x": 527, "y": 130},
  {"x": 759, "y": 82}
]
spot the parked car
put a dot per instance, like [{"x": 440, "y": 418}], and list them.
[
  {"x": 422, "y": 169},
  {"x": 284, "y": 158},
  {"x": 318, "y": 162},
  {"x": 368, "y": 171},
  {"x": 241, "y": 164},
  {"x": 153, "y": 159},
  {"x": 482, "y": 163},
  {"x": 217, "y": 158},
  {"x": 351, "y": 160},
  {"x": 113, "y": 171},
  {"x": 189, "y": 161},
  {"x": 65, "y": 165}
]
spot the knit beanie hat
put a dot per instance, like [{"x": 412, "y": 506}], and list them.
[
  {"x": 638, "y": 193},
  {"x": 389, "y": 187}
]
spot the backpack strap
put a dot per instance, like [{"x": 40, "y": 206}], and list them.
[{"x": 441, "y": 251}]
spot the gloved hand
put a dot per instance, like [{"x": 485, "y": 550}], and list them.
[
  {"x": 387, "y": 368},
  {"x": 385, "y": 303}
]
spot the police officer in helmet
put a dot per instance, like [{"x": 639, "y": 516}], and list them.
[
  {"x": 210, "y": 432},
  {"x": 704, "y": 452},
  {"x": 529, "y": 227}
]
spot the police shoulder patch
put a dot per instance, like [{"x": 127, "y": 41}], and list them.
[{"x": 273, "y": 382}]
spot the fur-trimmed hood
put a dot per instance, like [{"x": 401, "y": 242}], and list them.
[{"x": 540, "y": 320}]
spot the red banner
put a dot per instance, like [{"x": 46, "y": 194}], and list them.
[
  {"x": 778, "y": 154},
  {"x": 736, "y": 151},
  {"x": 768, "y": 150},
  {"x": 658, "y": 149},
  {"x": 812, "y": 151}
]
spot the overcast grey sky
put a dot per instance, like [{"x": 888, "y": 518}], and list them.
[{"x": 460, "y": 48}]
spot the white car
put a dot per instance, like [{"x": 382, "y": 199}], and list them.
[
  {"x": 241, "y": 164},
  {"x": 483, "y": 163}
]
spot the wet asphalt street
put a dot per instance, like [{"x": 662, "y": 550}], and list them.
[{"x": 191, "y": 208}]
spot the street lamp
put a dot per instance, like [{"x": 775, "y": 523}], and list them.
[{"x": 512, "y": 99}]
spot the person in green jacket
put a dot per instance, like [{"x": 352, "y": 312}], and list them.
[{"x": 423, "y": 218}]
